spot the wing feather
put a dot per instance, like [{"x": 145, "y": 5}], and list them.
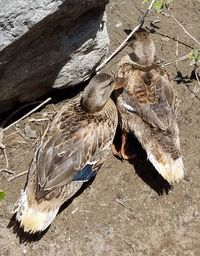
[
  {"x": 152, "y": 95},
  {"x": 71, "y": 144}
]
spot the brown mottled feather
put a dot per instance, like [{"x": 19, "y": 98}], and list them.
[
  {"x": 75, "y": 138},
  {"x": 151, "y": 93},
  {"x": 148, "y": 106}
]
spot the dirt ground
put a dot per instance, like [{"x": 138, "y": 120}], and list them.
[{"x": 122, "y": 211}]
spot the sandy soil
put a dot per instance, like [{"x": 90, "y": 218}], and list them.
[{"x": 122, "y": 211}]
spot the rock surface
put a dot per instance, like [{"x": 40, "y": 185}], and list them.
[{"x": 48, "y": 44}]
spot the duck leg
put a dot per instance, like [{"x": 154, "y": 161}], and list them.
[
  {"x": 124, "y": 146},
  {"x": 122, "y": 153}
]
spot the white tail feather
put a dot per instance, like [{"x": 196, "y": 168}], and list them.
[
  {"x": 32, "y": 219},
  {"x": 172, "y": 170}
]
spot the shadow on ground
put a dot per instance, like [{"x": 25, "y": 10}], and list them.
[{"x": 142, "y": 166}]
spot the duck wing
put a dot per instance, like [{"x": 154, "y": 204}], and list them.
[
  {"x": 152, "y": 95},
  {"x": 70, "y": 152}
]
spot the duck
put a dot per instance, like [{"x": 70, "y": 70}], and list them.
[
  {"x": 148, "y": 108},
  {"x": 72, "y": 152}
]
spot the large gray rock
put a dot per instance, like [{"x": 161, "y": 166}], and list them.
[{"x": 47, "y": 44}]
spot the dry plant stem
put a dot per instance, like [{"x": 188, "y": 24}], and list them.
[
  {"x": 185, "y": 57},
  {"x": 182, "y": 27},
  {"x": 2, "y": 130},
  {"x": 29, "y": 113},
  {"x": 196, "y": 75},
  {"x": 129, "y": 245},
  {"x": 6, "y": 158},
  {"x": 38, "y": 120},
  {"x": 7, "y": 170},
  {"x": 177, "y": 53},
  {"x": 17, "y": 111},
  {"x": 123, "y": 44},
  {"x": 18, "y": 175},
  {"x": 2, "y": 147}
]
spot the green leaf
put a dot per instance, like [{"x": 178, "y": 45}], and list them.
[
  {"x": 145, "y": 1},
  {"x": 2, "y": 195},
  {"x": 158, "y": 5},
  {"x": 194, "y": 54}
]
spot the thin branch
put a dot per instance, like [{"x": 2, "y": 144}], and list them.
[
  {"x": 124, "y": 43},
  {"x": 38, "y": 120},
  {"x": 185, "y": 57},
  {"x": 192, "y": 92},
  {"x": 182, "y": 27},
  {"x": 3, "y": 124},
  {"x": 7, "y": 170},
  {"x": 28, "y": 114},
  {"x": 130, "y": 245},
  {"x": 197, "y": 75},
  {"x": 177, "y": 53},
  {"x": 18, "y": 175},
  {"x": 6, "y": 158}
]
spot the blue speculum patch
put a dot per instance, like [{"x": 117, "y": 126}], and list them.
[{"x": 85, "y": 174}]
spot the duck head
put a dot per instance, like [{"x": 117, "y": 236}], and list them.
[
  {"x": 143, "y": 48},
  {"x": 97, "y": 93}
]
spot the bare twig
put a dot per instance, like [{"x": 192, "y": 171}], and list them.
[
  {"x": 185, "y": 57},
  {"x": 177, "y": 53},
  {"x": 17, "y": 111},
  {"x": 2, "y": 146},
  {"x": 120, "y": 202},
  {"x": 38, "y": 120},
  {"x": 130, "y": 245},
  {"x": 28, "y": 114},
  {"x": 192, "y": 92},
  {"x": 124, "y": 43},
  {"x": 7, "y": 170},
  {"x": 18, "y": 175},
  {"x": 175, "y": 19},
  {"x": 197, "y": 75},
  {"x": 6, "y": 158}
]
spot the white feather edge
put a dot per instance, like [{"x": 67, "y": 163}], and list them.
[
  {"x": 173, "y": 171},
  {"x": 31, "y": 219},
  {"x": 129, "y": 107}
]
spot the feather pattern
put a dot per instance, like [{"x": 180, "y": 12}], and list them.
[
  {"x": 71, "y": 153},
  {"x": 74, "y": 140},
  {"x": 148, "y": 108}
]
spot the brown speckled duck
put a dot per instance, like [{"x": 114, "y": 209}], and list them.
[
  {"x": 148, "y": 107},
  {"x": 74, "y": 149}
]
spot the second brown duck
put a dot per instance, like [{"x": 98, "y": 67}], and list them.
[{"x": 148, "y": 108}]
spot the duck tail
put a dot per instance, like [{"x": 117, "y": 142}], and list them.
[
  {"x": 31, "y": 218},
  {"x": 171, "y": 170}
]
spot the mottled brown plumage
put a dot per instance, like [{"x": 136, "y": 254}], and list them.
[
  {"x": 72, "y": 151},
  {"x": 148, "y": 107}
]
